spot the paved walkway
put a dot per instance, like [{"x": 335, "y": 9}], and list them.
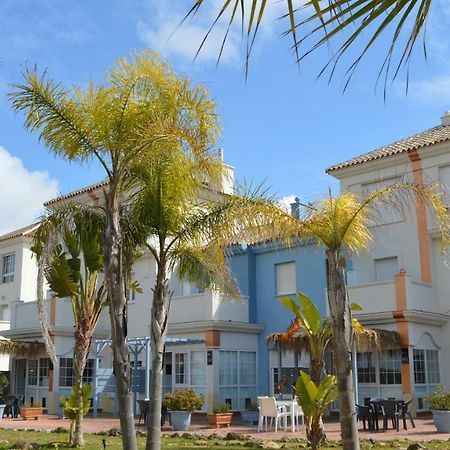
[{"x": 424, "y": 430}]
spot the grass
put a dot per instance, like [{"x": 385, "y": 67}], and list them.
[{"x": 23, "y": 439}]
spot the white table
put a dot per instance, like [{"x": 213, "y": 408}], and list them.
[{"x": 291, "y": 405}]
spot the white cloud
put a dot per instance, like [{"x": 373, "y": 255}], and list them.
[
  {"x": 285, "y": 202},
  {"x": 433, "y": 91},
  {"x": 23, "y": 192},
  {"x": 159, "y": 31}
]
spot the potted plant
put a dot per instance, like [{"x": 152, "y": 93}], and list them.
[
  {"x": 250, "y": 415},
  {"x": 181, "y": 404},
  {"x": 31, "y": 411},
  {"x": 221, "y": 416},
  {"x": 439, "y": 403}
]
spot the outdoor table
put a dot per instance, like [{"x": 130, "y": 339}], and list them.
[{"x": 290, "y": 405}]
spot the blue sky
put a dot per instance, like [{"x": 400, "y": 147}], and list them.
[{"x": 281, "y": 126}]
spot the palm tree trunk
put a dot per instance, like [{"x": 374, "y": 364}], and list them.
[
  {"x": 118, "y": 317},
  {"x": 342, "y": 346},
  {"x": 80, "y": 355},
  {"x": 160, "y": 313}
]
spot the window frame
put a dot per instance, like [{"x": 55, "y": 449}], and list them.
[
  {"x": 8, "y": 276},
  {"x": 289, "y": 290},
  {"x": 241, "y": 402}
]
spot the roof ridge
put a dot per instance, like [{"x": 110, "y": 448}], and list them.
[{"x": 434, "y": 135}]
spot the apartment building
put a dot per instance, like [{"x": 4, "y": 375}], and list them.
[{"x": 403, "y": 281}]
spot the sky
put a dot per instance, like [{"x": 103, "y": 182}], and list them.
[{"x": 281, "y": 127}]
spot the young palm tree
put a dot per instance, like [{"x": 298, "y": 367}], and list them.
[
  {"x": 119, "y": 124},
  {"x": 186, "y": 223},
  {"x": 343, "y": 226},
  {"x": 315, "y": 23},
  {"x": 69, "y": 249}
]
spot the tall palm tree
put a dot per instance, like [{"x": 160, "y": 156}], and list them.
[
  {"x": 185, "y": 222},
  {"x": 69, "y": 249},
  {"x": 314, "y": 24},
  {"x": 343, "y": 225},
  {"x": 119, "y": 124}
]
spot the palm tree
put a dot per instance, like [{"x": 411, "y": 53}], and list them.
[
  {"x": 69, "y": 249},
  {"x": 314, "y": 24},
  {"x": 119, "y": 124},
  {"x": 343, "y": 226},
  {"x": 185, "y": 222}
]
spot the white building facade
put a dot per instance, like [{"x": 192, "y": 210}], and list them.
[
  {"x": 403, "y": 281},
  {"x": 216, "y": 345}
]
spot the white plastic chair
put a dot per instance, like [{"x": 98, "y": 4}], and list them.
[
  {"x": 268, "y": 409},
  {"x": 298, "y": 413}
]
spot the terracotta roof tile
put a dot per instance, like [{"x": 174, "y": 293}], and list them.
[
  {"x": 20, "y": 232},
  {"x": 92, "y": 187},
  {"x": 432, "y": 136}
]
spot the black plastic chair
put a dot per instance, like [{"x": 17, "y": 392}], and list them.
[
  {"x": 143, "y": 410},
  {"x": 390, "y": 411},
  {"x": 9, "y": 401},
  {"x": 365, "y": 413},
  {"x": 406, "y": 413}
]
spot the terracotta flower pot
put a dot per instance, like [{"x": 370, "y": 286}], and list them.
[
  {"x": 220, "y": 420},
  {"x": 31, "y": 412}
]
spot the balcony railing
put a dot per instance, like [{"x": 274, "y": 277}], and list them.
[
  {"x": 25, "y": 316},
  {"x": 208, "y": 306}
]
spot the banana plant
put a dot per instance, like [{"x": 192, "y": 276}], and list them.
[
  {"x": 73, "y": 409},
  {"x": 317, "y": 331},
  {"x": 314, "y": 400},
  {"x": 69, "y": 248}
]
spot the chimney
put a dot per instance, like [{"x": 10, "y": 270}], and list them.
[
  {"x": 221, "y": 154},
  {"x": 295, "y": 208},
  {"x": 445, "y": 119}
]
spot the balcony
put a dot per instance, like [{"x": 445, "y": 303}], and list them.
[
  {"x": 381, "y": 296},
  {"x": 25, "y": 318},
  {"x": 208, "y": 306}
]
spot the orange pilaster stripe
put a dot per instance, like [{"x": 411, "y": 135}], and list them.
[
  {"x": 421, "y": 213},
  {"x": 402, "y": 325},
  {"x": 53, "y": 311},
  {"x": 94, "y": 198}
]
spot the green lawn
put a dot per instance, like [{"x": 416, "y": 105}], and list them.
[{"x": 23, "y": 439}]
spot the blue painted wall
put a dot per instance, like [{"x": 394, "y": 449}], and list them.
[{"x": 254, "y": 269}]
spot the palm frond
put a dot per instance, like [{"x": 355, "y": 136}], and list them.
[
  {"x": 361, "y": 22},
  {"x": 366, "y": 340},
  {"x": 205, "y": 267},
  {"x": 30, "y": 349}
]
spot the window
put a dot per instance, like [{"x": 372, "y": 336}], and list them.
[
  {"x": 66, "y": 372},
  {"x": 32, "y": 372},
  {"x": 237, "y": 378},
  {"x": 4, "y": 313},
  {"x": 8, "y": 268},
  {"x": 286, "y": 278},
  {"x": 247, "y": 368},
  {"x": 131, "y": 296},
  {"x": 386, "y": 268},
  {"x": 426, "y": 366},
  {"x": 390, "y": 367},
  {"x": 426, "y": 374},
  {"x": 44, "y": 367},
  {"x": 228, "y": 367},
  {"x": 198, "y": 368},
  {"x": 180, "y": 368},
  {"x": 366, "y": 368}
]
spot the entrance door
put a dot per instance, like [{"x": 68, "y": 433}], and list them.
[{"x": 20, "y": 372}]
